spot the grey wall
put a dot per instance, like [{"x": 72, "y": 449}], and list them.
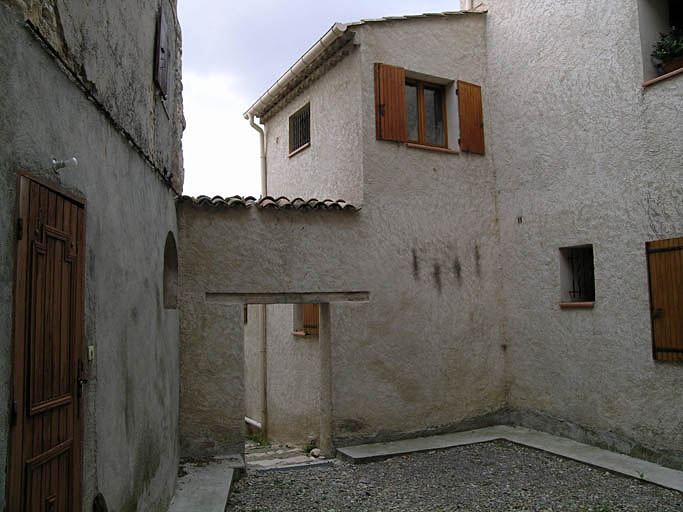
[
  {"x": 131, "y": 412},
  {"x": 293, "y": 380},
  {"x": 310, "y": 252},
  {"x": 585, "y": 155},
  {"x": 425, "y": 353}
]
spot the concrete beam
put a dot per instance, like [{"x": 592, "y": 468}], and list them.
[{"x": 286, "y": 298}]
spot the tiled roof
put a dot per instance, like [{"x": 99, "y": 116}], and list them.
[{"x": 268, "y": 202}]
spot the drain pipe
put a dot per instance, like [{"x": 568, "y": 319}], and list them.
[
  {"x": 263, "y": 332},
  {"x": 262, "y": 143}
]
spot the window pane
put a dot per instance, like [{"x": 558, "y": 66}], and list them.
[
  {"x": 411, "y": 112},
  {"x": 434, "y": 116}
]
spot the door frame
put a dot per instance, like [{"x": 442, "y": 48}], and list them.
[{"x": 15, "y": 470}]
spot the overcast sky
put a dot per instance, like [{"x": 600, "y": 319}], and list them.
[{"x": 232, "y": 52}]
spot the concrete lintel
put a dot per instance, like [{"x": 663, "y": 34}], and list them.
[{"x": 286, "y": 298}]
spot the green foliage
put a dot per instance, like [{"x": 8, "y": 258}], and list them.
[
  {"x": 669, "y": 46},
  {"x": 259, "y": 439}
]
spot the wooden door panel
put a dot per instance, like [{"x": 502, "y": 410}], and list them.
[{"x": 45, "y": 436}]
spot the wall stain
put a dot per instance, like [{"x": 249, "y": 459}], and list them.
[
  {"x": 477, "y": 259},
  {"x": 437, "y": 276},
  {"x": 416, "y": 266},
  {"x": 457, "y": 269}
]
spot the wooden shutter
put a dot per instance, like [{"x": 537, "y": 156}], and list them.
[
  {"x": 471, "y": 118},
  {"x": 390, "y": 102},
  {"x": 665, "y": 268},
  {"x": 311, "y": 318},
  {"x": 162, "y": 56}
]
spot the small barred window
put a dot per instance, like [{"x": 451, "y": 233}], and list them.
[{"x": 300, "y": 129}]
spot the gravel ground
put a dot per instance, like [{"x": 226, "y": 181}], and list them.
[{"x": 496, "y": 476}]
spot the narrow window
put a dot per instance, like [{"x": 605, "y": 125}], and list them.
[
  {"x": 577, "y": 276},
  {"x": 665, "y": 275},
  {"x": 170, "y": 273},
  {"x": 300, "y": 129}
]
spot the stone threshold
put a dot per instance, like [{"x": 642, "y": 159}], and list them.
[{"x": 611, "y": 461}]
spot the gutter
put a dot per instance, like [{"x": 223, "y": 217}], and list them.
[{"x": 296, "y": 71}]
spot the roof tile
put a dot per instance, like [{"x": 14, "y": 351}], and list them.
[{"x": 268, "y": 202}]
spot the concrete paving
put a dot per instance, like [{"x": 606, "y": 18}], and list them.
[
  {"x": 273, "y": 457},
  {"x": 598, "y": 457},
  {"x": 204, "y": 485}
]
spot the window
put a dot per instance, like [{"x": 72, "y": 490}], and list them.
[
  {"x": 425, "y": 114},
  {"x": 577, "y": 276},
  {"x": 665, "y": 275},
  {"x": 413, "y": 110},
  {"x": 657, "y": 17},
  {"x": 306, "y": 319},
  {"x": 300, "y": 129}
]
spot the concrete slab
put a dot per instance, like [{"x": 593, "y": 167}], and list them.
[
  {"x": 598, "y": 457},
  {"x": 205, "y": 484}
]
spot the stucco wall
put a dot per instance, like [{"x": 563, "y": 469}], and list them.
[
  {"x": 584, "y": 154},
  {"x": 331, "y": 167},
  {"x": 293, "y": 380},
  {"x": 130, "y": 422},
  {"x": 247, "y": 250},
  {"x": 252, "y": 364},
  {"x": 429, "y": 355}
]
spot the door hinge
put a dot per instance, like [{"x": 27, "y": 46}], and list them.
[
  {"x": 381, "y": 109},
  {"x": 13, "y": 413},
  {"x": 20, "y": 228},
  {"x": 457, "y": 91}
]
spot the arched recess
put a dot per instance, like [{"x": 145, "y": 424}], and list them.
[{"x": 170, "y": 273}]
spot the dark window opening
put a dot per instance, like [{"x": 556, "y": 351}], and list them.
[{"x": 577, "y": 274}]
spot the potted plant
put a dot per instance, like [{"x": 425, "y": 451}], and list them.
[{"x": 669, "y": 50}]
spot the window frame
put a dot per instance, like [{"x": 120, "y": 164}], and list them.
[
  {"x": 577, "y": 276},
  {"x": 421, "y": 123},
  {"x": 292, "y": 119}
]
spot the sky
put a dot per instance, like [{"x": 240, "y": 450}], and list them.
[{"x": 232, "y": 53}]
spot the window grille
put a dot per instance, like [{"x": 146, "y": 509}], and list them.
[{"x": 300, "y": 128}]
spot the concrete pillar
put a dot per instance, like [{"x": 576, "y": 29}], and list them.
[{"x": 325, "y": 341}]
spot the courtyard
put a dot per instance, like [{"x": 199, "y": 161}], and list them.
[{"x": 493, "y": 476}]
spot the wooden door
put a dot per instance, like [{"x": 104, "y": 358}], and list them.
[
  {"x": 45, "y": 432},
  {"x": 665, "y": 267}
]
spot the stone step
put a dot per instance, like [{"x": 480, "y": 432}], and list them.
[{"x": 205, "y": 484}]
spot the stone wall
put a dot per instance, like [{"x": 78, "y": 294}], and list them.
[{"x": 77, "y": 80}]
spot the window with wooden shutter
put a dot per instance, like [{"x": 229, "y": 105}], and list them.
[
  {"x": 471, "y": 118},
  {"x": 390, "y": 102},
  {"x": 665, "y": 272},
  {"x": 162, "y": 53}
]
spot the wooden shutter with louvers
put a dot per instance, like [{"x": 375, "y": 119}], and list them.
[
  {"x": 390, "y": 102},
  {"x": 471, "y": 118},
  {"x": 665, "y": 269},
  {"x": 311, "y": 318}
]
